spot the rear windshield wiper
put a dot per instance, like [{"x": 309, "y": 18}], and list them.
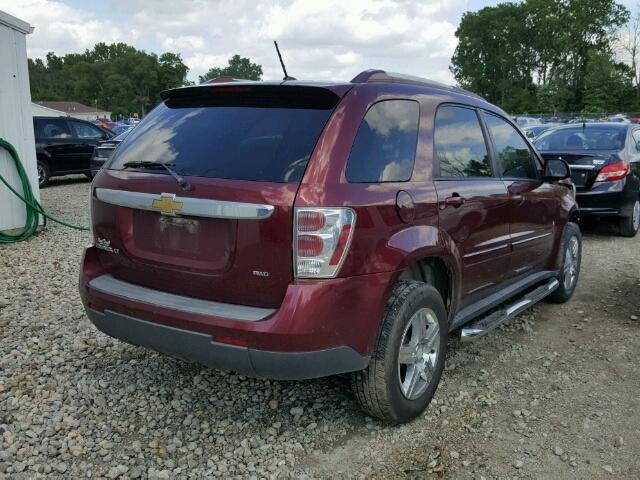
[{"x": 184, "y": 185}]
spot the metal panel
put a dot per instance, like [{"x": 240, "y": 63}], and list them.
[{"x": 16, "y": 124}]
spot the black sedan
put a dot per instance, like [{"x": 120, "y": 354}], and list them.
[
  {"x": 605, "y": 168},
  {"x": 104, "y": 150}
]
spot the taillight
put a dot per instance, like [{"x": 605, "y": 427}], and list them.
[
  {"x": 615, "y": 171},
  {"x": 321, "y": 240}
]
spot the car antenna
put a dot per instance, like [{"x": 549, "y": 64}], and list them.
[{"x": 284, "y": 69}]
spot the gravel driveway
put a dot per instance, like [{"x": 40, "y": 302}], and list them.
[{"x": 554, "y": 394}]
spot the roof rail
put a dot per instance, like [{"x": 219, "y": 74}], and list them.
[{"x": 373, "y": 75}]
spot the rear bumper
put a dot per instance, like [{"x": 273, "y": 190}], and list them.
[
  {"x": 201, "y": 348},
  {"x": 96, "y": 164},
  {"x": 607, "y": 203},
  {"x": 322, "y": 327}
]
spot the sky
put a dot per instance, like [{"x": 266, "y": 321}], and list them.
[{"x": 319, "y": 39}]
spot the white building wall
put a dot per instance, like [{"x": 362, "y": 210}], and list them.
[
  {"x": 16, "y": 124},
  {"x": 40, "y": 111}
]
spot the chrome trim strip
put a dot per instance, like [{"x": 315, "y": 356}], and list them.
[
  {"x": 486, "y": 250},
  {"x": 581, "y": 167},
  {"x": 531, "y": 238},
  {"x": 195, "y": 207},
  {"x": 112, "y": 286}
]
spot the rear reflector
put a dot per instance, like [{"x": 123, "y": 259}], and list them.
[
  {"x": 321, "y": 239},
  {"x": 615, "y": 171}
]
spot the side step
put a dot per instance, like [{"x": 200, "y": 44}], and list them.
[{"x": 488, "y": 323}]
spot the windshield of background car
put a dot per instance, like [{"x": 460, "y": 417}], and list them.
[
  {"x": 243, "y": 138},
  {"x": 578, "y": 138}
]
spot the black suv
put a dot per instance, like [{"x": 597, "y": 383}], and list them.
[
  {"x": 64, "y": 145},
  {"x": 605, "y": 168}
]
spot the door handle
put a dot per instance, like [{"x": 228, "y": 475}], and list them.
[
  {"x": 518, "y": 199},
  {"x": 454, "y": 200}
]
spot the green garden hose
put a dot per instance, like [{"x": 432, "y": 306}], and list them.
[{"x": 34, "y": 209}]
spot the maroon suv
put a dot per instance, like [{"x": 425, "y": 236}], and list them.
[{"x": 296, "y": 230}]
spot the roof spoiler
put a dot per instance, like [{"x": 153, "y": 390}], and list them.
[{"x": 253, "y": 94}]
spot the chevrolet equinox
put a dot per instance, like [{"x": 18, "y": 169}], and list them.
[{"x": 294, "y": 230}]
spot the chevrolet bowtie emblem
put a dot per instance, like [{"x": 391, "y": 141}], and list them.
[{"x": 167, "y": 204}]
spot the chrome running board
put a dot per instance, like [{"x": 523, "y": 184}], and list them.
[{"x": 491, "y": 321}]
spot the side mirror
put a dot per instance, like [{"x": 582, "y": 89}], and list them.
[{"x": 555, "y": 170}]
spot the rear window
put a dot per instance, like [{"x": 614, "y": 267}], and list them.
[
  {"x": 240, "y": 140},
  {"x": 384, "y": 149},
  {"x": 578, "y": 138}
]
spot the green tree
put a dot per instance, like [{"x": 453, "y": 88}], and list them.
[
  {"x": 534, "y": 53},
  {"x": 238, "y": 67},
  {"x": 607, "y": 84},
  {"x": 115, "y": 77}
]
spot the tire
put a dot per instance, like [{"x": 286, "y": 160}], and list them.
[
  {"x": 570, "y": 267},
  {"x": 384, "y": 389},
  {"x": 629, "y": 225},
  {"x": 44, "y": 174}
]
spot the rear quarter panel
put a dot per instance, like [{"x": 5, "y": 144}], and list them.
[{"x": 381, "y": 242}]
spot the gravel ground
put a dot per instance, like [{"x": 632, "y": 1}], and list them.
[{"x": 553, "y": 394}]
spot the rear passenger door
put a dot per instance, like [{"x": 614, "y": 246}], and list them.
[
  {"x": 473, "y": 201},
  {"x": 533, "y": 204},
  {"x": 54, "y": 136}
]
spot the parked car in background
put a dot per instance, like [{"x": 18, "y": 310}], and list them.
[
  {"x": 64, "y": 145},
  {"x": 295, "y": 230},
  {"x": 605, "y": 167},
  {"x": 105, "y": 123},
  {"x": 121, "y": 127},
  {"x": 104, "y": 150},
  {"x": 526, "y": 121},
  {"x": 533, "y": 131},
  {"x": 619, "y": 118}
]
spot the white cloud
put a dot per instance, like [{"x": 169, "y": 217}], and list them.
[{"x": 329, "y": 40}]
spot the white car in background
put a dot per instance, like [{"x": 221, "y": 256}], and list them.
[{"x": 526, "y": 121}]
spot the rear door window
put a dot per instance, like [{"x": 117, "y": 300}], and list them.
[
  {"x": 238, "y": 137},
  {"x": 460, "y": 146},
  {"x": 384, "y": 149},
  {"x": 515, "y": 158},
  {"x": 55, "y": 128}
]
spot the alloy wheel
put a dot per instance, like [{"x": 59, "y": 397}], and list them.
[
  {"x": 418, "y": 354},
  {"x": 636, "y": 216},
  {"x": 571, "y": 260},
  {"x": 41, "y": 174}
]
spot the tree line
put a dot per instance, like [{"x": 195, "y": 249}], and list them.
[
  {"x": 116, "y": 78},
  {"x": 119, "y": 78},
  {"x": 546, "y": 56}
]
